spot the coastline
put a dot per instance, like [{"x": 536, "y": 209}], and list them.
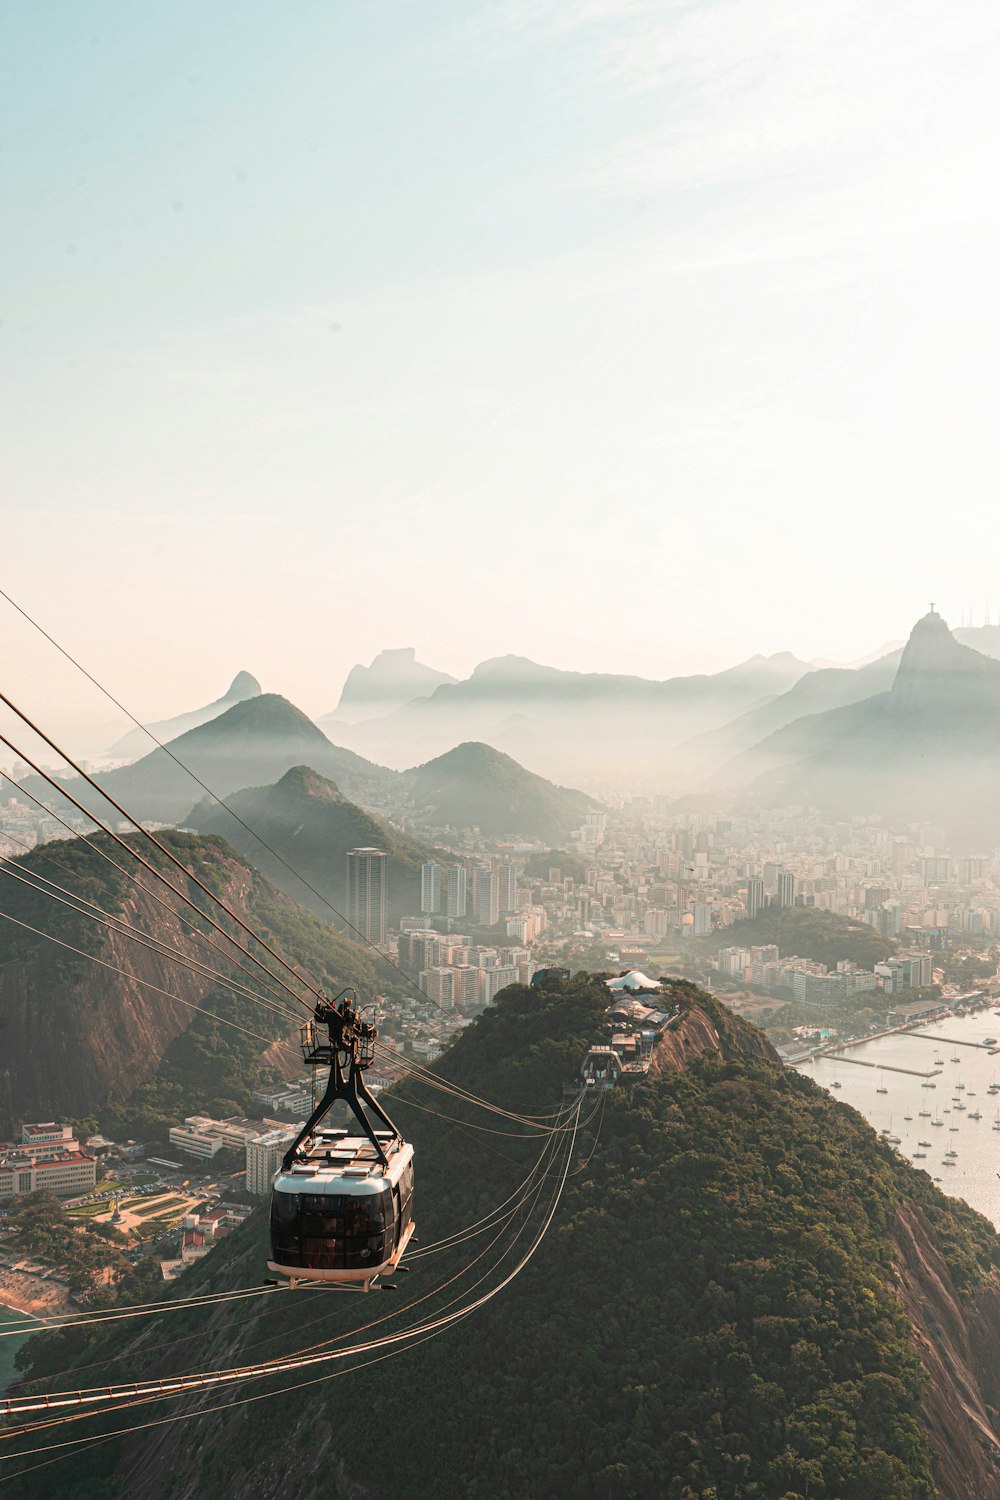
[{"x": 21, "y": 1292}]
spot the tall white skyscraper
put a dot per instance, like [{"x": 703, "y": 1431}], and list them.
[
  {"x": 368, "y": 892},
  {"x": 755, "y": 896},
  {"x": 487, "y": 898},
  {"x": 786, "y": 888},
  {"x": 430, "y": 887},
  {"x": 507, "y": 878},
  {"x": 457, "y": 889}
]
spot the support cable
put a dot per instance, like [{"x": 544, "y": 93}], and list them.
[
  {"x": 158, "y": 874},
  {"x": 119, "y": 927},
  {"x": 146, "y": 983},
  {"x": 133, "y": 879},
  {"x": 180, "y": 1384}
]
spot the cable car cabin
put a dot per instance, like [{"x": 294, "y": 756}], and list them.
[{"x": 338, "y": 1215}]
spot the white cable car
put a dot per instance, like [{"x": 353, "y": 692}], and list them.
[
  {"x": 341, "y": 1205},
  {"x": 338, "y": 1214}
]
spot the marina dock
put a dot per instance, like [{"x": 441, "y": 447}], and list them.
[
  {"x": 949, "y": 1041},
  {"x": 859, "y": 1062}
]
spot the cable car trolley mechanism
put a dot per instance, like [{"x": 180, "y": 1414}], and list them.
[{"x": 341, "y": 1203}]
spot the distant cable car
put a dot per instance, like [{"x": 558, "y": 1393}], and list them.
[{"x": 341, "y": 1205}]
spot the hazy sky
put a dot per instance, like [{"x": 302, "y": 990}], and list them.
[{"x": 625, "y": 336}]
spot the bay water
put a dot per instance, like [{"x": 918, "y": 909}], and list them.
[
  {"x": 961, "y": 1068},
  {"x": 9, "y": 1345}
]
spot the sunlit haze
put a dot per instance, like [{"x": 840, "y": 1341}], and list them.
[{"x": 622, "y": 336}]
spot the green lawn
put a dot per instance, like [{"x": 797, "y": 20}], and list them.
[{"x": 157, "y": 1206}]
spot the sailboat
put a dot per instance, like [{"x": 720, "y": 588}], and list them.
[
  {"x": 996, "y": 1122},
  {"x": 937, "y": 1120},
  {"x": 881, "y": 1085}
]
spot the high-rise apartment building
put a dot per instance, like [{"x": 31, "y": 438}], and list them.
[
  {"x": 507, "y": 879},
  {"x": 368, "y": 892},
  {"x": 786, "y": 888},
  {"x": 457, "y": 891},
  {"x": 487, "y": 898},
  {"x": 263, "y": 1157},
  {"x": 430, "y": 887},
  {"x": 755, "y": 896}
]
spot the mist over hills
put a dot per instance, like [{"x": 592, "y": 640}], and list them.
[
  {"x": 312, "y": 825},
  {"x": 744, "y": 1293},
  {"x": 572, "y": 723},
  {"x": 924, "y": 749},
  {"x": 477, "y": 786},
  {"x": 816, "y": 692},
  {"x": 394, "y": 678},
  {"x": 252, "y": 744},
  {"x": 136, "y": 742}
]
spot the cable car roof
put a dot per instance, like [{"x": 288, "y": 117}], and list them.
[{"x": 336, "y": 1162}]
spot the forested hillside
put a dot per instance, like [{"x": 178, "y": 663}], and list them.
[
  {"x": 823, "y": 936},
  {"x": 308, "y": 821},
  {"x": 745, "y": 1295},
  {"x": 79, "y": 1036}
]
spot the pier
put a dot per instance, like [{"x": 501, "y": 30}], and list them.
[
  {"x": 859, "y": 1062},
  {"x": 949, "y": 1041}
]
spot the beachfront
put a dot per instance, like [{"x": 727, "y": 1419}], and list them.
[{"x": 42, "y": 1297}]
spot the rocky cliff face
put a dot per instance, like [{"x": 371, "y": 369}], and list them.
[
  {"x": 704, "y": 1028},
  {"x": 73, "y": 1033},
  {"x": 958, "y": 1340},
  {"x": 959, "y": 1345}
]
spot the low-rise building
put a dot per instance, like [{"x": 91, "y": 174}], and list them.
[{"x": 67, "y": 1174}]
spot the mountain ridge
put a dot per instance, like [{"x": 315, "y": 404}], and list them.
[
  {"x": 311, "y": 824},
  {"x": 922, "y": 750},
  {"x": 474, "y": 785},
  {"x": 76, "y": 1034},
  {"x": 393, "y": 678},
  {"x": 253, "y": 743},
  {"x": 136, "y": 742}
]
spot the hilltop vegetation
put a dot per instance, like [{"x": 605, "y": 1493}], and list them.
[
  {"x": 308, "y": 821},
  {"x": 477, "y": 786},
  {"x": 81, "y": 1037},
  {"x": 822, "y": 936},
  {"x": 716, "y": 1313}
]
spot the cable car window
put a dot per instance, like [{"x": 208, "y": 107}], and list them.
[{"x": 284, "y": 1207}]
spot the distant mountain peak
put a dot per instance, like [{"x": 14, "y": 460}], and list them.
[
  {"x": 510, "y": 666},
  {"x": 472, "y": 754},
  {"x": 305, "y": 781},
  {"x": 243, "y": 686},
  {"x": 137, "y": 742},
  {"x": 936, "y": 671},
  {"x": 393, "y": 678}
]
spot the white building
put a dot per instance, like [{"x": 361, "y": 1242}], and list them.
[
  {"x": 67, "y": 1174},
  {"x": 46, "y": 1134},
  {"x": 457, "y": 891},
  {"x": 492, "y": 981},
  {"x": 203, "y": 1137},
  {"x": 430, "y": 887},
  {"x": 192, "y": 1141},
  {"x": 264, "y": 1154}
]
